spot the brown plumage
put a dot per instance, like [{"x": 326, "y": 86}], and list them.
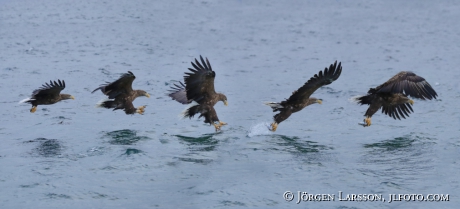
[
  {"x": 199, "y": 87},
  {"x": 392, "y": 96},
  {"x": 301, "y": 98},
  {"x": 47, "y": 94},
  {"x": 121, "y": 94}
]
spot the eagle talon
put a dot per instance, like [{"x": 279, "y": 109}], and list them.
[
  {"x": 222, "y": 123},
  {"x": 274, "y": 126},
  {"x": 217, "y": 126},
  {"x": 367, "y": 122},
  {"x": 140, "y": 110},
  {"x": 34, "y": 108}
]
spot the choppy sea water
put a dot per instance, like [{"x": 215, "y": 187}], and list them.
[{"x": 73, "y": 155}]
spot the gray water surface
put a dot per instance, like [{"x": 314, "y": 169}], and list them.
[{"x": 73, "y": 155}]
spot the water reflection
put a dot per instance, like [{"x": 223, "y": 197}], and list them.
[
  {"x": 392, "y": 144},
  {"x": 302, "y": 150},
  {"x": 131, "y": 151},
  {"x": 404, "y": 143},
  {"x": 200, "y": 149},
  {"x": 401, "y": 160},
  {"x": 48, "y": 147},
  {"x": 195, "y": 160},
  {"x": 206, "y": 142},
  {"x": 124, "y": 137},
  {"x": 295, "y": 145}
]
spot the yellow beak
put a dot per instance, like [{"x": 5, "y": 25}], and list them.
[
  {"x": 319, "y": 101},
  {"x": 225, "y": 103},
  {"x": 72, "y": 97},
  {"x": 147, "y": 95}
]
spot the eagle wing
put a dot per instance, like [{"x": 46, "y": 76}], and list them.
[
  {"x": 318, "y": 80},
  {"x": 408, "y": 83},
  {"x": 122, "y": 85},
  {"x": 49, "y": 90},
  {"x": 199, "y": 83},
  {"x": 178, "y": 93},
  {"x": 397, "y": 110}
]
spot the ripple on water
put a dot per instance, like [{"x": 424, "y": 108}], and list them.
[
  {"x": 392, "y": 144},
  {"x": 306, "y": 151},
  {"x": 406, "y": 142},
  {"x": 131, "y": 151},
  {"x": 200, "y": 148},
  {"x": 61, "y": 120},
  {"x": 195, "y": 160},
  {"x": 58, "y": 196},
  {"x": 47, "y": 147},
  {"x": 205, "y": 142},
  {"x": 296, "y": 145},
  {"x": 124, "y": 137},
  {"x": 232, "y": 203},
  {"x": 401, "y": 160}
]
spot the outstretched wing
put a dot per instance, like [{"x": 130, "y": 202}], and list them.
[
  {"x": 397, "y": 110},
  {"x": 199, "y": 83},
  {"x": 321, "y": 79},
  {"x": 122, "y": 85},
  {"x": 52, "y": 89},
  {"x": 178, "y": 93},
  {"x": 408, "y": 83}
]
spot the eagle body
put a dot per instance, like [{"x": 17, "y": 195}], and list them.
[
  {"x": 393, "y": 96},
  {"x": 396, "y": 105},
  {"x": 47, "y": 99},
  {"x": 121, "y": 95},
  {"x": 199, "y": 88},
  {"x": 48, "y": 94},
  {"x": 301, "y": 98},
  {"x": 206, "y": 109},
  {"x": 287, "y": 109}
]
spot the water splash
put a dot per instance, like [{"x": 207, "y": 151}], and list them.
[{"x": 260, "y": 129}]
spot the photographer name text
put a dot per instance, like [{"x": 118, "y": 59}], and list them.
[{"x": 340, "y": 196}]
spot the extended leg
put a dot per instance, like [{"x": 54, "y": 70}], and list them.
[
  {"x": 222, "y": 123},
  {"x": 34, "y": 108}
]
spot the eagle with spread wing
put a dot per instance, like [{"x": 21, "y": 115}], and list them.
[
  {"x": 301, "y": 98},
  {"x": 47, "y": 94},
  {"x": 392, "y": 96},
  {"x": 199, "y": 87},
  {"x": 121, "y": 94}
]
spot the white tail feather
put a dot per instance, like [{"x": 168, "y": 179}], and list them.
[
  {"x": 184, "y": 112},
  {"x": 26, "y": 100},
  {"x": 355, "y": 99},
  {"x": 274, "y": 105},
  {"x": 100, "y": 103}
]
